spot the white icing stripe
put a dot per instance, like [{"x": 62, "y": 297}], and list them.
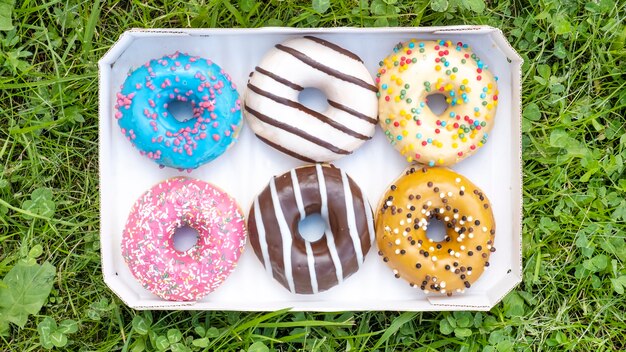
[
  {"x": 311, "y": 262},
  {"x": 297, "y": 193},
  {"x": 330, "y": 239},
  {"x": 309, "y": 251},
  {"x": 285, "y": 235},
  {"x": 369, "y": 218},
  {"x": 352, "y": 229},
  {"x": 260, "y": 228}
]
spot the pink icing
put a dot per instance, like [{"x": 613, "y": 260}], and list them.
[{"x": 148, "y": 249}]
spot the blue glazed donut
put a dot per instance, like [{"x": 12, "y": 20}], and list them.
[{"x": 142, "y": 111}]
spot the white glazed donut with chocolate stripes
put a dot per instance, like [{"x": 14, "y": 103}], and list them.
[
  {"x": 281, "y": 121},
  {"x": 299, "y": 265}
]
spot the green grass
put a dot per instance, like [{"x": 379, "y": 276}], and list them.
[{"x": 574, "y": 146}]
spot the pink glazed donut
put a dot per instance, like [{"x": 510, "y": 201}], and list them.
[{"x": 147, "y": 240}]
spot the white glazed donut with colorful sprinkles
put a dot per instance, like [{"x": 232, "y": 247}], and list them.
[
  {"x": 416, "y": 70},
  {"x": 147, "y": 241}
]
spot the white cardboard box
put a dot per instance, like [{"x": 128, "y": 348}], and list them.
[{"x": 246, "y": 168}]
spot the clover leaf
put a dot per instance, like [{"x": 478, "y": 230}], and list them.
[
  {"x": 40, "y": 202},
  {"x": 52, "y": 335}
]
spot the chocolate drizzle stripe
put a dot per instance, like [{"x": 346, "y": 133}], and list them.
[
  {"x": 352, "y": 112},
  {"x": 308, "y": 111},
  {"x": 261, "y": 233},
  {"x": 296, "y": 131},
  {"x": 309, "y": 251},
  {"x": 285, "y": 235},
  {"x": 330, "y": 238},
  {"x": 278, "y": 79},
  {"x": 352, "y": 229},
  {"x": 285, "y": 150},
  {"x": 328, "y": 70},
  {"x": 335, "y": 47}
]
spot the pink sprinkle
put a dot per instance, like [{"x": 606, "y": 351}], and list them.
[{"x": 216, "y": 137}]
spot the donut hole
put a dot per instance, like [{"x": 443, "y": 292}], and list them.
[
  {"x": 180, "y": 110},
  {"x": 185, "y": 238},
  {"x": 437, "y": 103},
  {"x": 436, "y": 230},
  {"x": 312, "y": 227},
  {"x": 313, "y": 99}
]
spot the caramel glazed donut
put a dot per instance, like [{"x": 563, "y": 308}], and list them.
[
  {"x": 402, "y": 220},
  {"x": 278, "y": 119},
  {"x": 299, "y": 265},
  {"x": 415, "y": 71}
]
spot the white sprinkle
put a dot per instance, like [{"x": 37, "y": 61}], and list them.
[
  {"x": 450, "y": 194},
  {"x": 462, "y": 188},
  {"x": 398, "y": 241},
  {"x": 431, "y": 248},
  {"x": 429, "y": 203},
  {"x": 401, "y": 222},
  {"x": 469, "y": 272},
  {"x": 456, "y": 229},
  {"x": 443, "y": 291},
  {"x": 423, "y": 211},
  {"x": 387, "y": 228},
  {"x": 397, "y": 251},
  {"x": 395, "y": 271},
  {"x": 442, "y": 195},
  {"x": 434, "y": 258},
  {"x": 395, "y": 230},
  {"x": 457, "y": 254},
  {"x": 462, "y": 248},
  {"x": 451, "y": 252},
  {"x": 471, "y": 235},
  {"x": 457, "y": 180},
  {"x": 434, "y": 279},
  {"x": 447, "y": 218},
  {"x": 389, "y": 203},
  {"x": 426, "y": 291},
  {"x": 441, "y": 210},
  {"x": 488, "y": 246},
  {"x": 461, "y": 222},
  {"x": 427, "y": 213},
  {"x": 456, "y": 216},
  {"x": 409, "y": 220},
  {"x": 442, "y": 284},
  {"x": 470, "y": 218},
  {"x": 484, "y": 228}
]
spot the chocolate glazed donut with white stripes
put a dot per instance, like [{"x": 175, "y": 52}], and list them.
[
  {"x": 299, "y": 265},
  {"x": 281, "y": 121}
]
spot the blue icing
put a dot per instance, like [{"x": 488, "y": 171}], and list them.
[{"x": 179, "y": 77}]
